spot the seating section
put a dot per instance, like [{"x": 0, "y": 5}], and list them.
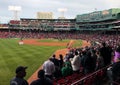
[
  {"x": 14, "y": 22},
  {"x": 80, "y": 79},
  {"x": 68, "y": 79}
]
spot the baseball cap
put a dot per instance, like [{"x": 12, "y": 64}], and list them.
[{"x": 20, "y": 68}]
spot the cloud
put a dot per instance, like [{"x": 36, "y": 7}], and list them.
[
  {"x": 74, "y": 7},
  {"x": 113, "y": 3}
]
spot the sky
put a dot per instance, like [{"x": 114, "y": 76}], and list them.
[{"x": 29, "y": 8}]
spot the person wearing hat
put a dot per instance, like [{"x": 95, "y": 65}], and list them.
[
  {"x": 42, "y": 80},
  {"x": 19, "y": 78}
]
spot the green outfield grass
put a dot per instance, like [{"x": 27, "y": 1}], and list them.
[
  {"x": 53, "y": 40},
  {"x": 12, "y": 55},
  {"x": 77, "y": 43}
]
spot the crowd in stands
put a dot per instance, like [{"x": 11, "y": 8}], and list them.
[
  {"x": 112, "y": 39},
  {"x": 78, "y": 60}
]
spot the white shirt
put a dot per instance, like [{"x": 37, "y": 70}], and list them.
[
  {"x": 75, "y": 63},
  {"x": 49, "y": 67}
]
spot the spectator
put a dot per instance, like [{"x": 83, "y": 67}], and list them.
[
  {"x": 116, "y": 70},
  {"x": 57, "y": 73},
  {"x": 105, "y": 52},
  {"x": 61, "y": 62},
  {"x": 94, "y": 57},
  {"x": 19, "y": 78},
  {"x": 113, "y": 72},
  {"x": 89, "y": 63},
  {"x": 76, "y": 62},
  {"x": 66, "y": 57},
  {"x": 99, "y": 61},
  {"x": 117, "y": 53},
  {"x": 55, "y": 60},
  {"x": 66, "y": 70},
  {"x": 83, "y": 57},
  {"x": 49, "y": 68},
  {"x": 42, "y": 80}
]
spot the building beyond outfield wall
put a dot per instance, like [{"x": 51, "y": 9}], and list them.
[{"x": 44, "y": 15}]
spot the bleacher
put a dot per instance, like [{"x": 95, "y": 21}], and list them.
[
  {"x": 68, "y": 79},
  {"x": 4, "y": 26},
  {"x": 95, "y": 78},
  {"x": 14, "y": 22}
]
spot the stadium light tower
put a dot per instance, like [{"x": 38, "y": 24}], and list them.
[
  {"x": 15, "y": 10},
  {"x": 62, "y": 10}
]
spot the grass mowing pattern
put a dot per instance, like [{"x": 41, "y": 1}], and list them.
[
  {"x": 12, "y": 55},
  {"x": 53, "y": 40},
  {"x": 78, "y": 43}
]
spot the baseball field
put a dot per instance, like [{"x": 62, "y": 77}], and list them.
[{"x": 32, "y": 54}]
